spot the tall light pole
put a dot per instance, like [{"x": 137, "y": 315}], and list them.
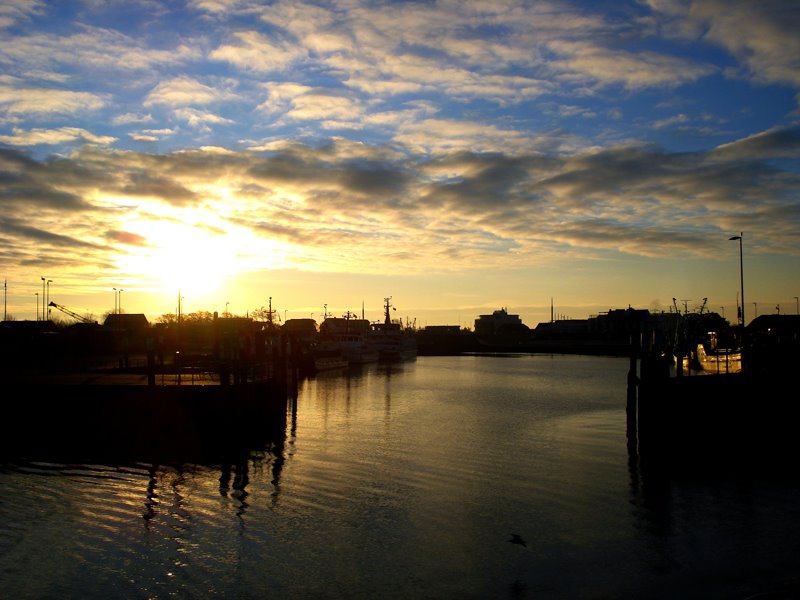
[
  {"x": 115, "y": 300},
  {"x": 37, "y": 305},
  {"x": 119, "y": 305},
  {"x": 49, "y": 281},
  {"x": 44, "y": 297},
  {"x": 741, "y": 272}
]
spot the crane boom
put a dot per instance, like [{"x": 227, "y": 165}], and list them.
[{"x": 71, "y": 313}]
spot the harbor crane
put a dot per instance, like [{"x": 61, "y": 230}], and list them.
[{"x": 72, "y": 314}]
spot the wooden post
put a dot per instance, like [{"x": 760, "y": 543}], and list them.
[{"x": 151, "y": 363}]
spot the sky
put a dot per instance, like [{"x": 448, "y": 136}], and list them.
[{"x": 457, "y": 157}]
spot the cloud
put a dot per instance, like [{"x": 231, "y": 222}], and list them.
[
  {"x": 781, "y": 142},
  {"x": 200, "y": 118},
  {"x": 342, "y": 205},
  {"x": 447, "y": 135},
  {"x": 28, "y": 101},
  {"x": 127, "y": 238},
  {"x": 587, "y": 63},
  {"x": 16, "y": 228},
  {"x": 184, "y": 91},
  {"x": 14, "y": 12},
  {"x": 132, "y": 118},
  {"x": 761, "y": 35},
  {"x": 151, "y": 135},
  {"x": 159, "y": 187},
  {"x": 86, "y": 48},
  {"x": 256, "y": 52},
  {"x": 34, "y": 137}
]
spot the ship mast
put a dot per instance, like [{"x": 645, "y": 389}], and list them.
[{"x": 386, "y": 305}]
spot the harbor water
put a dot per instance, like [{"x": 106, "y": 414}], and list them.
[{"x": 442, "y": 477}]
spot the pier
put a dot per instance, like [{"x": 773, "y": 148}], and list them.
[
  {"x": 99, "y": 392},
  {"x": 743, "y": 420}
]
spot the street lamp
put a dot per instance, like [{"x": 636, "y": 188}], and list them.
[
  {"x": 44, "y": 297},
  {"x": 119, "y": 305},
  {"x": 741, "y": 271},
  {"x": 49, "y": 281},
  {"x": 37, "y": 305},
  {"x": 115, "y": 300}
]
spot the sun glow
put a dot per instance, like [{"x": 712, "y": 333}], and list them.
[{"x": 193, "y": 258}]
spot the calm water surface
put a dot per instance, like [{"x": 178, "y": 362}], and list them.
[{"x": 406, "y": 482}]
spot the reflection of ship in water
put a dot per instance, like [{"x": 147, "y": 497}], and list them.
[{"x": 392, "y": 341}]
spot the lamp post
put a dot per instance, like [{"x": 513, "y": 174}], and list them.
[
  {"x": 115, "y": 300},
  {"x": 741, "y": 286},
  {"x": 44, "y": 297},
  {"x": 797, "y": 305},
  {"x": 119, "y": 304},
  {"x": 755, "y": 309},
  {"x": 49, "y": 281},
  {"x": 741, "y": 271},
  {"x": 37, "y": 305}
]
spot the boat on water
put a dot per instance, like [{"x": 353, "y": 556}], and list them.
[
  {"x": 351, "y": 336},
  {"x": 328, "y": 355},
  {"x": 721, "y": 360},
  {"x": 392, "y": 341}
]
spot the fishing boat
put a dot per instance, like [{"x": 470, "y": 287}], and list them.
[
  {"x": 721, "y": 360},
  {"x": 351, "y": 336},
  {"x": 392, "y": 341}
]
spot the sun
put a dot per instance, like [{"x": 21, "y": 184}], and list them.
[{"x": 195, "y": 259}]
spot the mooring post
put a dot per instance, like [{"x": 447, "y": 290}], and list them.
[
  {"x": 151, "y": 362},
  {"x": 633, "y": 379}
]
